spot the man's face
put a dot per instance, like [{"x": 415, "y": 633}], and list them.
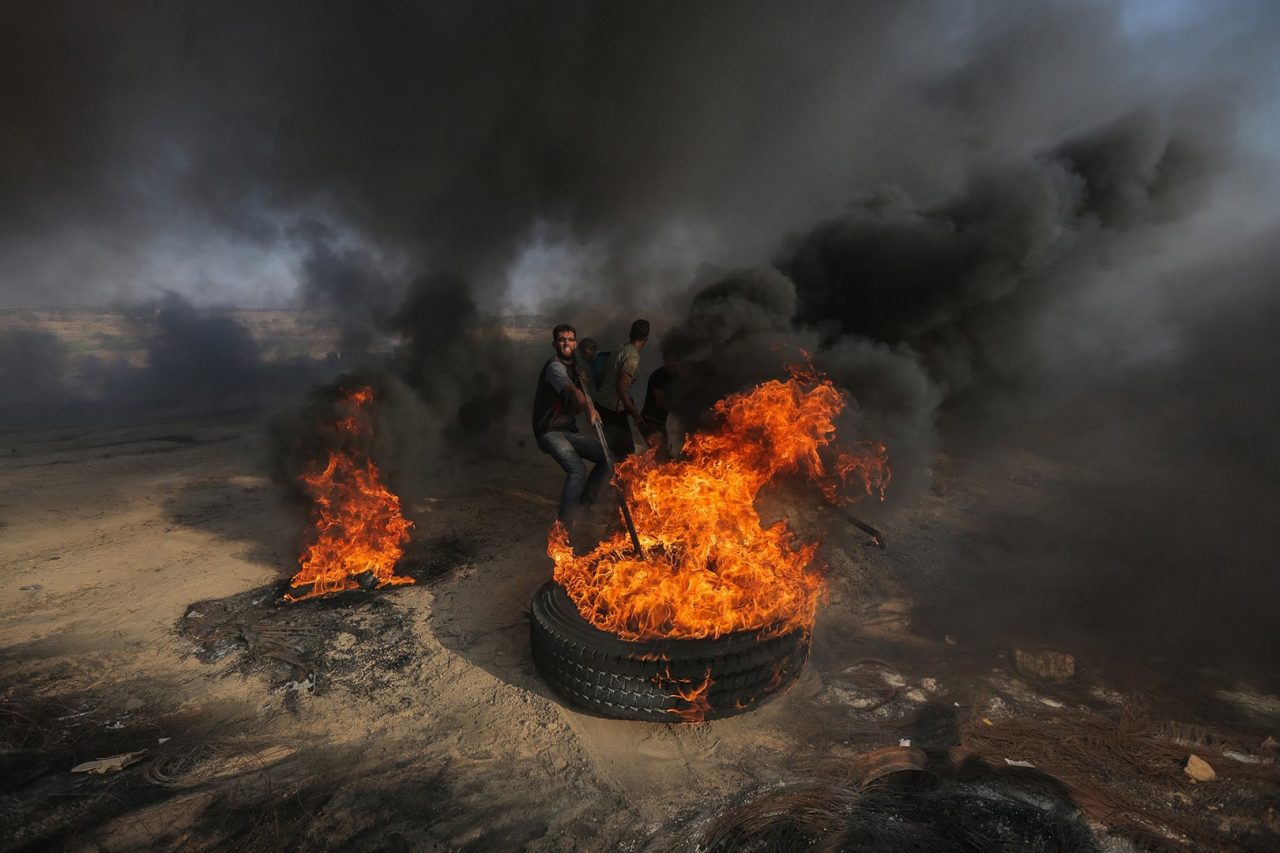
[{"x": 565, "y": 343}]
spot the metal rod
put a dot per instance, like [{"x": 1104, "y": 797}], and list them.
[
  {"x": 877, "y": 538},
  {"x": 622, "y": 500}
]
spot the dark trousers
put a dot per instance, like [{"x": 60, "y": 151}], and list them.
[{"x": 617, "y": 432}]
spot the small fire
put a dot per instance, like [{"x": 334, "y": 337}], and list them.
[
  {"x": 711, "y": 567},
  {"x": 695, "y": 698},
  {"x": 358, "y": 531}
]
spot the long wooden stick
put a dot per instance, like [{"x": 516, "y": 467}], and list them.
[{"x": 622, "y": 500}]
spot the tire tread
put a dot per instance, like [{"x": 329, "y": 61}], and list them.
[{"x": 635, "y": 680}]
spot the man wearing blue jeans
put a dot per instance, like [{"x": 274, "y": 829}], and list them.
[{"x": 558, "y": 399}]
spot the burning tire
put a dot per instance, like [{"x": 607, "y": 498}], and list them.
[{"x": 660, "y": 680}]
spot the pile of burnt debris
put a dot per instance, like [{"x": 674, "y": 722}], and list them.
[{"x": 287, "y": 643}]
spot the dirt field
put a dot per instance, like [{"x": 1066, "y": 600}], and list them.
[{"x": 141, "y": 567}]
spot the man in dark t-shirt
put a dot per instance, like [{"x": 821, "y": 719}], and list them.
[
  {"x": 657, "y": 404},
  {"x": 560, "y": 395},
  {"x": 598, "y": 364},
  {"x": 588, "y": 349},
  {"x": 594, "y": 360}
]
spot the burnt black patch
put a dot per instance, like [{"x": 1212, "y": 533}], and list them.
[
  {"x": 940, "y": 813},
  {"x": 230, "y": 794},
  {"x": 429, "y": 561},
  {"x": 966, "y": 818},
  {"x": 360, "y": 638},
  {"x": 46, "y": 806}
]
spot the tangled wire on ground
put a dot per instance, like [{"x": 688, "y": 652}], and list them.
[{"x": 1124, "y": 772}]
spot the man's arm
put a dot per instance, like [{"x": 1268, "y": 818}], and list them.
[
  {"x": 558, "y": 375},
  {"x": 624, "y": 386},
  {"x": 577, "y": 398}
]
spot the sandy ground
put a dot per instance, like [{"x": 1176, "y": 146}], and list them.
[{"x": 140, "y": 567}]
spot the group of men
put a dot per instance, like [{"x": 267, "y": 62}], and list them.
[{"x": 579, "y": 379}]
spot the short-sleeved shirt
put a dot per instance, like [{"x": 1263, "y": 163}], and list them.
[
  {"x": 551, "y": 411},
  {"x": 626, "y": 359}
]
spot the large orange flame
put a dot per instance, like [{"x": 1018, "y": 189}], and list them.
[
  {"x": 358, "y": 530},
  {"x": 711, "y": 567}
]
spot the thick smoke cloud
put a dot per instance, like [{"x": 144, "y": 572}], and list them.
[
  {"x": 182, "y": 361},
  {"x": 458, "y": 360},
  {"x": 190, "y": 353},
  {"x": 33, "y": 370},
  {"x": 198, "y": 146},
  {"x": 744, "y": 328},
  {"x": 958, "y": 208},
  {"x": 950, "y": 280},
  {"x": 908, "y": 305},
  {"x": 436, "y": 132},
  {"x": 215, "y": 150}
]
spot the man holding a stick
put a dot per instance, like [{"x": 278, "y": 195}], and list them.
[{"x": 560, "y": 395}]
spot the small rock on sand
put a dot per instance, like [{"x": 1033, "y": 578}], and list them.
[{"x": 1199, "y": 770}]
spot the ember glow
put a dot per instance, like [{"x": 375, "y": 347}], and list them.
[
  {"x": 358, "y": 531},
  {"x": 711, "y": 566}
]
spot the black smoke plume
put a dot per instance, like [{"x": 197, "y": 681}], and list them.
[
  {"x": 947, "y": 280},
  {"x": 934, "y": 317},
  {"x": 186, "y": 361}
]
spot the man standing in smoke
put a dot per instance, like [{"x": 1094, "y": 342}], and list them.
[
  {"x": 614, "y": 397},
  {"x": 593, "y": 360},
  {"x": 657, "y": 405},
  {"x": 560, "y": 395}
]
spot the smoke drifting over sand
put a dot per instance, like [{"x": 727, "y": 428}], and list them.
[{"x": 973, "y": 207}]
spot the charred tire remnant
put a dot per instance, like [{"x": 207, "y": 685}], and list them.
[{"x": 660, "y": 680}]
